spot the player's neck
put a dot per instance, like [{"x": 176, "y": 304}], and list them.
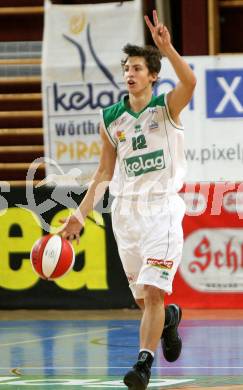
[{"x": 137, "y": 102}]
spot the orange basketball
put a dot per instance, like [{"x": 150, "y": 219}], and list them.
[{"x": 52, "y": 257}]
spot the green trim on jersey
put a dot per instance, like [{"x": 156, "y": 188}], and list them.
[
  {"x": 160, "y": 100},
  {"x": 110, "y": 137},
  {"x": 111, "y": 113},
  {"x": 155, "y": 101}
]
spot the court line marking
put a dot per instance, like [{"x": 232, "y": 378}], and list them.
[
  {"x": 114, "y": 367},
  {"x": 218, "y": 327},
  {"x": 91, "y": 332}
]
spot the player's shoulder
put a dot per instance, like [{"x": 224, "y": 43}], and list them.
[
  {"x": 159, "y": 100},
  {"x": 113, "y": 112}
]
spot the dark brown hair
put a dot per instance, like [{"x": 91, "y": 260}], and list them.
[{"x": 151, "y": 55}]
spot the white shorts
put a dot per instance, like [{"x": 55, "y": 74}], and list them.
[{"x": 150, "y": 240}]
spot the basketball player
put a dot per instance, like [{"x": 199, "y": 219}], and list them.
[{"x": 144, "y": 135}]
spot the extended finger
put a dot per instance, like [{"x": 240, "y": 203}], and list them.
[
  {"x": 149, "y": 24},
  {"x": 63, "y": 233},
  {"x": 155, "y": 17},
  {"x": 161, "y": 29}
]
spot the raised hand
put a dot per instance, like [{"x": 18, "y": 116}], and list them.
[{"x": 159, "y": 32}]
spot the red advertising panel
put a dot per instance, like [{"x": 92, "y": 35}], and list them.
[{"x": 211, "y": 272}]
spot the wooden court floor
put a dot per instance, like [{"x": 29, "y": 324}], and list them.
[{"x": 93, "y": 349}]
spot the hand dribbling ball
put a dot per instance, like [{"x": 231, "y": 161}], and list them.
[{"x": 52, "y": 257}]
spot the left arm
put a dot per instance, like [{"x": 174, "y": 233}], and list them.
[{"x": 180, "y": 96}]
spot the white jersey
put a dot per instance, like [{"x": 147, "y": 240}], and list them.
[{"x": 150, "y": 149}]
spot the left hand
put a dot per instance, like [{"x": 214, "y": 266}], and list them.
[{"x": 159, "y": 32}]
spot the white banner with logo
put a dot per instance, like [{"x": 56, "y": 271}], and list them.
[
  {"x": 213, "y": 120},
  {"x": 81, "y": 73}
]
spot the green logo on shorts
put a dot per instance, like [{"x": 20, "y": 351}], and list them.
[
  {"x": 144, "y": 163},
  {"x": 165, "y": 275}
]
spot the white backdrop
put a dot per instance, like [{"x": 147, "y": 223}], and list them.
[
  {"x": 82, "y": 51},
  {"x": 214, "y": 119},
  {"x": 82, "y": 73}
]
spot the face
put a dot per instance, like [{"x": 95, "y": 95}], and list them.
[{"x": 136, "y": 75}]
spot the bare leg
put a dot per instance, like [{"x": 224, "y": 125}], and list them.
[
  {"x": 152, "y": 322},
  {"x": 151, "y": 327},
  {"x": 170, "y": 339},
  {"x": 140, "y": 303}
]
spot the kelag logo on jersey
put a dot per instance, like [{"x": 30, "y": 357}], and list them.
[
  {"x": 224, "y": 93},
  {"x": 144, "y": 163}
]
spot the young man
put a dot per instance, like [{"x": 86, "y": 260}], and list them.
[{"x": 144, "y": 135}]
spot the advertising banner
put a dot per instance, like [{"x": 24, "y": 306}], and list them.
[
  {"x": 81, "y": 73},
  {"x": 211, "y": 271},
  {"x": 97, "y": 280},
  {"x": 213, "y": 119},
  {"x": 210, "y": 274}
]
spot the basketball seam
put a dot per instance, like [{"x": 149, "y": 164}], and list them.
[{"x": 57, "y": 259}]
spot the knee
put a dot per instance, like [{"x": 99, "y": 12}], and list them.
[
  {"x": 153, "y": 295},
  {"x": 140, "y": 303}
]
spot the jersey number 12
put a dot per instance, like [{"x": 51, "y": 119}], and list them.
[{"x": 139, "y": 142}]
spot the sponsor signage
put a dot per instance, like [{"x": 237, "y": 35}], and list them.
[
  {"x": 210, "y": 274},
  {"x": 97, "y": 279},
  {"x": 233, "y": 202},
  {"x": 213, "y": 260},
  {"x": 211, "y": 271},
  {"x": 224, "y": 93},
  {"x": 165, "y": 264},
  {"x": 148, "y": 162},
  {"x": 81, "y": 74},
  {"x": 196, "y": 203},
  {"x": 212, "y": 125}
]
